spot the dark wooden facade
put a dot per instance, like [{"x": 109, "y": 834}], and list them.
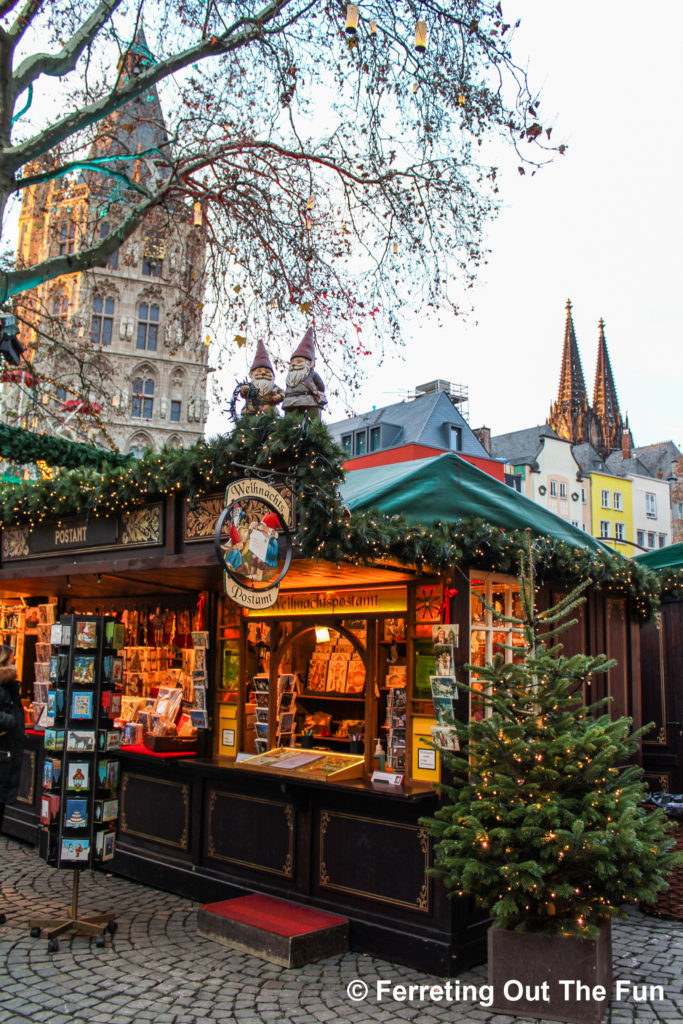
[{"x": 662, "y": 697}]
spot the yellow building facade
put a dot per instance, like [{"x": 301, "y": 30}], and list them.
[{"x": 612, "y": 511}]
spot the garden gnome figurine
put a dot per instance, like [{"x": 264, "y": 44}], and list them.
[
  {"x": 305, "y": 390},
  {"x": 262, "y": 377}
]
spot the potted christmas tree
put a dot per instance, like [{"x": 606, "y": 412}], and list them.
[{"x": 544, "y": 825}]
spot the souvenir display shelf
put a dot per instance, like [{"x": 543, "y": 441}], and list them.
[
  {"x": 79, "y": 803},
  {"x": 316, "y": 765}
]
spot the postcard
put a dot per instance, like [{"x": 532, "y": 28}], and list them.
[
  {"x": 76, "y": 850},
  {"x": 199, "y": 719},
  {"x": 84, "y": 669},
  {"x": 106, "y": 810},
  {"x": 49, "y": 808},
  {"x": 444, "y": 710},
  {"x": 261, "y": 700},
  {"x": 261, "y": 683},
  {"x": 286, "y": 723},
  {"x": 355, "y": 680},
  {"x": 445, "y": 661},
  {"x": 396, "y": 676},
  {"x": 104, "y": 845},
  {"x": 317, "y": 674},
  {"x": 77, "y": 740},
  {"x": 86, "y": 634},
  {"x": 109, "y": 739},
  {"x": 262, "y": 715},
  {"x": 200, "y": 640},
  {"x": 116, "y": 670},
  {"x": 336, "y": 674},
  {"x": 285, "y": 683},
  {"x": 76, "y": 813},
  {"x": 56, "y": 634},
  {"x": 443, "y": 686},
  {"x": 54, "y": 739},
  {"x": 82, "y": 704},
  {"x": 108, "y": 774},
  {"x": 200, "y": 698},
  {"x": 53, "y": 667},
  {"x": 77, "y": 775},
  {"x": 445, "y": 738}
]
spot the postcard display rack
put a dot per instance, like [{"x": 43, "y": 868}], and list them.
[{"x": 79, "y": 804}]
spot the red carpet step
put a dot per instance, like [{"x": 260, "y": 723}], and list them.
[{"x": 276, "y": 930}]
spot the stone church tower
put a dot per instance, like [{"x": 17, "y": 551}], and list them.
[
  {"x": 571, "y": 416},
  {"x": 117, "y": 350}
]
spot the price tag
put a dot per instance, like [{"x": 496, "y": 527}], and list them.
[{"x": 386, "y": 779}]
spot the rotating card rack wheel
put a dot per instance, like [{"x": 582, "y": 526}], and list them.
[{"x": 97, "y": 925}]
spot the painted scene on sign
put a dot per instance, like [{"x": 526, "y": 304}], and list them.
[{"x": 251, "y": 549}]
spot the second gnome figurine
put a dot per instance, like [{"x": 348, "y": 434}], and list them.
[
  {"x": 262, "y": 379},
  {"x": 305, "y": 390}
]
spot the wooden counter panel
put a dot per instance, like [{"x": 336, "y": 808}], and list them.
[
  {"x": 250, "y": 831},
  {"x": 360, "y": 856},
  {"x": 154, "y": 809}
]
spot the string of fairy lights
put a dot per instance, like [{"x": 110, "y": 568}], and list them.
[{"x": 99, "y": 486}]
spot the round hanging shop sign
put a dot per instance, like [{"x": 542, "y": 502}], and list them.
[{"x": 257, "y": 551}]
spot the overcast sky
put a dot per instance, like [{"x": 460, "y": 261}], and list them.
[{"x": 601, "y": 226}]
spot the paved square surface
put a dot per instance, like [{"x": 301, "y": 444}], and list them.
[{"x": 156, "y": 970}]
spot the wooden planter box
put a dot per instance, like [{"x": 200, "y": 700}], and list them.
[{"x": 551, "y": 977}]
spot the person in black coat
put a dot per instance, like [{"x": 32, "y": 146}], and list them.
[{"x": 11, "y": 734}]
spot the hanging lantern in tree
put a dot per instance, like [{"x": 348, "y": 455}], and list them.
[
  {"x": 461, "y": 100},
  {"x": 395, "y": 247},
  {"x": 351, "y": 19},
  {"x": 421, "y": 36},
  {"x": 309, "y": 203},
  {"x": 197, "y": 215},
  {"x": 373, "y": 28}
]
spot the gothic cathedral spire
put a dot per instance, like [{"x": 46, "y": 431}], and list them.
[
  {"x": 605, "y": 403},
  {"x": 570, "y": 414}
]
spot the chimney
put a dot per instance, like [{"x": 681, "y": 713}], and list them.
[
  {"x": 626, "y": 444},
  {"x": 483, "y": 435}
]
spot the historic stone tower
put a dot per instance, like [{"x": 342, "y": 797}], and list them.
[
  {"x": 117, "y": 351},
  {"x": 571, "y": 416}
]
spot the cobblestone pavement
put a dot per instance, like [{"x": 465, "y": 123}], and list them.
[{"x": 156, "y": 968}]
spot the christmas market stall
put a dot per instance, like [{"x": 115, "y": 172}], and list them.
[
  {"x": 662, "y": 673},
  {"x": 292, "y": 646}
]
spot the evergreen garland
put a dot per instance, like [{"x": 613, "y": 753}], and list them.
[
  {"x": 325, "y": 529},
  {"x": 23, "y": 446}
]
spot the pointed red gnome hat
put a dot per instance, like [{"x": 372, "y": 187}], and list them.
[
  {"x": 271, "y": 521},
  {"x": 261, "y": 360},
  {"x": 306, "y": 349},
  {"x": 234, "y": 535}
]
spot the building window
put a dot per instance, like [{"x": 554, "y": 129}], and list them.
[
  {"x": 113, "y": 261},
  {"x": 60, "y": 307},
  {"x": 455, "y": 439},
  {"x": 620, "y": 531},
  {"x": 604, "y": 499},
  {"x": 585, "y": 528},
  {"x": 616, "y": 498},
  {"x": 67, "y": 238},
  {"x": 650, "y": 505},
  {"x": 375, "y": 439},
  {"x": 641, "y": 538},
  {"x": 575, "y": 522},
  {"x": 148, "y": 326},
  {"x": 583, "y": 495},
  {"x": 153, "y": 256},
  {"x": 102, "y": 320},
  {"x": 143, "y": 398},
  {"x": 662, "y": 540},
  {"x": 346, "y": 443},
  {"x": 651, "y": 540},
  {"x": 563, "y": 491},
  {"x": 604, "y": 528},
  {"x": 175, "y": 410},
  {"x": 360, "y": 443},
  {"x": 553, "y": 488}
]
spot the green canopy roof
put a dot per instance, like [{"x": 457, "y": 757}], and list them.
[
  {"x": 448, "y": 488},
  {"x": 670, "y": 557}
]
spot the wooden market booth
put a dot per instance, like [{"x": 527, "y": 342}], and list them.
[{"x": 209, "y": 826}]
